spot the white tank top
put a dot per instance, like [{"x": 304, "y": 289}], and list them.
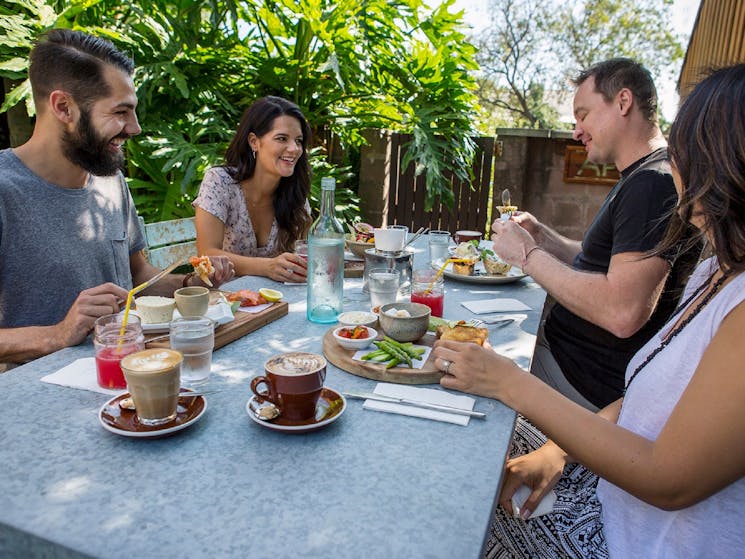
[{"x": 714, "y": 527}]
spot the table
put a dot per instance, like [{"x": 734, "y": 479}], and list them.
[{"x": 369, "y": 485}]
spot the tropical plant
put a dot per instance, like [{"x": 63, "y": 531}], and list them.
[{"x": 348, "y": 65}]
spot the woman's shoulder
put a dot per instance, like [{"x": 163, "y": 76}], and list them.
[{"x": 220, "y": 175}]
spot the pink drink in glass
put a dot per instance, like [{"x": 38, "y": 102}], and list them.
[{"x": 435, "y": 301}]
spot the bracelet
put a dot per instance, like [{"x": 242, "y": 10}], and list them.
[
  {"x": 527, "y": 255},
  {"x": 187, "y": 277}
]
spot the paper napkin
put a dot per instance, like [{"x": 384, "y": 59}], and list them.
[
  {"x": 485, "y": 306},
  {"x": 545, "y": 506},
  {"x": 429, "y": 395},
  {"x": 80, "y": 374},
  {"x": 255, "y": 308}
]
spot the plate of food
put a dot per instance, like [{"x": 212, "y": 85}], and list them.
[{"x": 476, "y": 272}]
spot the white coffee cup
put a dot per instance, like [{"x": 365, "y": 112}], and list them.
[{"x": 390, "y": 240}]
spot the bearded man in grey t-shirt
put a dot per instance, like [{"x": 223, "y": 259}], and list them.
[{"x": 70, "y": 241}]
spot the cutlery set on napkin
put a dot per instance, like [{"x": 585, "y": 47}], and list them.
[{"x": 426, "y": 403}]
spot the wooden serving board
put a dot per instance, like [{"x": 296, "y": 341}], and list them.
[
  {"x": 243, "y": 324},
  {"x": 342, "y": 358}
]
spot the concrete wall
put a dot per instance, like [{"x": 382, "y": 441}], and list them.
[{"x": 531, "y": 165}]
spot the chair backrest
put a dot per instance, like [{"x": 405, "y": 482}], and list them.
[{"x": 167, "y": 241}]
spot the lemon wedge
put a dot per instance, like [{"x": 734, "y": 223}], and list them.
[{"x": 271, "y": 295}]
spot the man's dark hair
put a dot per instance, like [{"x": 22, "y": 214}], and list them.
[
  {"x": 73, "y": 62},
  {"x": 611, "y": 76}
]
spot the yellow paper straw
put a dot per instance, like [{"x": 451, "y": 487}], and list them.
[
  {"x": 441, "y": 270},
  {"x": 130, "y": 295}
]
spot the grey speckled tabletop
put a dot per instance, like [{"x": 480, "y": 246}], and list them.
[{"x": 368, "y": 485}]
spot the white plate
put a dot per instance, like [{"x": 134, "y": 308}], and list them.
[
  {"x": 479, "y": 275},
  {"x": 219, "y": 312}
]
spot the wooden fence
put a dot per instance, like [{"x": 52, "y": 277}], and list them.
[{"x": 406, "y": 193}]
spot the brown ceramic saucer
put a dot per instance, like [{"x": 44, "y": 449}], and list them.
[
  {"x": 124, "y": 422},
  {"x": 330, "y": 406}
]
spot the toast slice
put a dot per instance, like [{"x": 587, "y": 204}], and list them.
[{"x": 463, "y": 333}]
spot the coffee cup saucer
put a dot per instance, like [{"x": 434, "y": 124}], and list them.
[
  {"x": 331, "y": 405},
  {"x": 124, "y": 422}
]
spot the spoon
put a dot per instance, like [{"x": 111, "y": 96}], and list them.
[
  {"x": 506, "y": 197},
  {"x": 264, "y": 409}
]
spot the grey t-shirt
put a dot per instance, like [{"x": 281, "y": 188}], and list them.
[{"x": 56, "y": 242}]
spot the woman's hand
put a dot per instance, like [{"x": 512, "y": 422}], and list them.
[
  {"x": 472, "y": 368},
  {"x": 539, "y": 470},
  {"x": 287, "y": 267},
  {"x": 224, "y": 270}
]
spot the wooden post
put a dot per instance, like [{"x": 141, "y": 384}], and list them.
[{"x": 375, "y": 163}]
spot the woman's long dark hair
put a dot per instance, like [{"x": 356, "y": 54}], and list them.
[
  {"x": 707, "y": 147},
  {"x": 292, "y": 194}
]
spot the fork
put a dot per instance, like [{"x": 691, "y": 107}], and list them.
[{"x": 498, "y": 322}]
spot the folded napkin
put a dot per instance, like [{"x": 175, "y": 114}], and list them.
[
  {"x": 429, "y": 395},
  {"x": 81, "y": 374},
  {"x": 485, "y": 306}
]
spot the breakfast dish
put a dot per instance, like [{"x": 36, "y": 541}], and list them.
[
  {"x": 203, "y": 268},
  {"x": 246, "y": 298},
  {"x": 479, "y": 274},
  {"x": 463, "y": 333}
]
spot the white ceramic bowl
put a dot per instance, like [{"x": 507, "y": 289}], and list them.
[
  {"x": 352, "y": 318},
  {"x": 361, "y": 343}
]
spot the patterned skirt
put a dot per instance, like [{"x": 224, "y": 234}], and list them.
[{"x": 573, "y": 530}]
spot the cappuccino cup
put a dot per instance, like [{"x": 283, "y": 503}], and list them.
[
  {"x": 154, "y": 381},
  {"x": 465, "y": 236},
  {"x": 192, "y": 301},
  {"x": 292, "y": 382}
]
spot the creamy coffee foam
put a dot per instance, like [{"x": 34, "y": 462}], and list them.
[
  {"x": 152, "y": 360},
  {"x": 297, "y": 363}
]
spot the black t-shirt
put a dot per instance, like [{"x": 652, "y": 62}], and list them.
[{"x": 633, "y": 218}]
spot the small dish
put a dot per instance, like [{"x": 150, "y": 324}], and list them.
[
  {"x": 353, "y": 318},
  {"x": 407, "y": 328},
  {"x": 124, "y": 422},
  {"x": 330, "y": 406},
  {"x": 355, "y": 344}
]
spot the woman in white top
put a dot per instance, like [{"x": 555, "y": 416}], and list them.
[
  {"x": 255, "y": 207},
  {"x": 669, "y": 453}
]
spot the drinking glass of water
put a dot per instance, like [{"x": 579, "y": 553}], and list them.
[
  {"x": 194, "y": 337},
  {"x": 438, "y": 245},
  {"x": 383, "y": 285}
]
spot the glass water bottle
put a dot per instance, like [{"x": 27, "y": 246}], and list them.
[{"x": 326, "y": 260}]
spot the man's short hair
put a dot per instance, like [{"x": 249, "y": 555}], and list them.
[
  {"x": 73, "y": 62},
  {"x": 617, "y": 73}
]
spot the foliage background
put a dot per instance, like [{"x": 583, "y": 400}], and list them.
[{"x": 349, "y": 65}]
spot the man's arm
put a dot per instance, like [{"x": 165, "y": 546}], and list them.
[
  {"x": 18, "y": 345},
  {"x": 142, "y": 271},
  {"x": 621, "y": 301}
]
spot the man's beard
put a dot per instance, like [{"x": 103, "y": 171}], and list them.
[{"x": 86, "y": 149}]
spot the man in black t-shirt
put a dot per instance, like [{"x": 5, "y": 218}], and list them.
[{"x": 610, "y": 299}]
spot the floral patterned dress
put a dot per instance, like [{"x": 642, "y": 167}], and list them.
[{"x": 222, "y": 196}]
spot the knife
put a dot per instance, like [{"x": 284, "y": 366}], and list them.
[{"x": 416, "y": 403}]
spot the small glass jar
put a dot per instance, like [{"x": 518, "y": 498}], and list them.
[
  {"x": 110, "y": 347},
  {"x": 429, "y": 291}
]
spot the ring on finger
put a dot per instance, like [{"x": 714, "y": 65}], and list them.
[{"x": 446, "y": 364}]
